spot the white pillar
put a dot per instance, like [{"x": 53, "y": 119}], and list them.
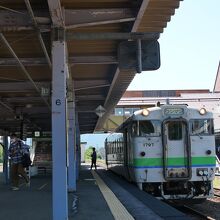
[
  {"x": 59, "y": 128},
  {"x": 71, "y": 147},
  {"x": 78, "y": 150}
]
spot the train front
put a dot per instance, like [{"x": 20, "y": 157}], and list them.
[{"x": 176, "y": 160}]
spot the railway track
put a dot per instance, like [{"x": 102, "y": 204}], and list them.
[
  {"x": 194, "y": 213},
  {"x": 217, "y": 192},
  {"x": 207, "y": 210}
]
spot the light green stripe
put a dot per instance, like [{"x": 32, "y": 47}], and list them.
[{"x": 178, "y": 161}]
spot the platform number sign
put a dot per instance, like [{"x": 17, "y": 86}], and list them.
[{"x": 58, "y": 102}]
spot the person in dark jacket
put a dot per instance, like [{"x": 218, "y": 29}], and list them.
[
  {"x": 93, "y": 157},
  {"x": 16, "y": 150}
]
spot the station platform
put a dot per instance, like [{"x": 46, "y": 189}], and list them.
[
  {"x": 100, "y": 195},
  {"x": 31, "y": 203}
]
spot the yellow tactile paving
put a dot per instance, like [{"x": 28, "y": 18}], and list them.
[{"x": 118, "y": 210}]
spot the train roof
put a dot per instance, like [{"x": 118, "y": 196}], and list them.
[{"x": 138, "y": 115}]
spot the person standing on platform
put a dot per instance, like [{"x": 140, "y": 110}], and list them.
[
  {"x": 93, "y": 157},
  {"x": 16, "y": 150}
]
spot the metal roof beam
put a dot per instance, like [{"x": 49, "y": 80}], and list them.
[
  {"x": 10, "y": 18},
  {"x": 92, "y": 60},
  {"x": 13, "y": 111},
  {"x": 5, "y": 105},
  {"x": 73, "y": 18},
  {"x": 92, "y": 87},
  {"x": 89, "y": 97},
  {"x": 100, "y": 23},
  {"x": 26, "y": 87},
  {"x": 11, "y": 21},
  {"x": 22, "y": 67},
  {"x": 72, "y": 60},
  {"x": 111, "y": 36},
  {"x": 140, "y": 15},
  {"x": 56, "y": 13},
  {"x": 21, "y": 86},
  {"x": 38, "y": 61},
  {"x": 23, "y": 99},
  {"x": 91, "y": 17},
  {"x": 31, "y": 13}
]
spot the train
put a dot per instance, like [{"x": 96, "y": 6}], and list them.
[{"x": 167, "y": 150}]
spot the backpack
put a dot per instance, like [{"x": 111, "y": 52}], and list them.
[{"x": 26, "y": 160}]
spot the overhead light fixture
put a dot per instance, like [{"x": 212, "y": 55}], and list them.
[{"x": 28, "y": 105}]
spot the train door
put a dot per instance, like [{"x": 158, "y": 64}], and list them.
[{"x": 176, "y": 150}]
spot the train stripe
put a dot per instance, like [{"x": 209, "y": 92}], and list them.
[{"x": 174, "y": 162}]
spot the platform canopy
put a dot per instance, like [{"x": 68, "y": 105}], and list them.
[{"x": 94, "y": 29}]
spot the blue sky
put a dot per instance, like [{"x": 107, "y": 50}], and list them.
[
  {"x": 189, "y": 48},
  {"x": 94, "y": 140},
  {"x": 190, "y": 53}
]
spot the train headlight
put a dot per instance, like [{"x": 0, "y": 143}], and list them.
[
  {"x": 145, "y": 112},
  {"x": 202, "y": 111}
]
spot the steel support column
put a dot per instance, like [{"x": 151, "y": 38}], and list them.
[
  {"x": 71, "y": 139},
  {"x": 78, "y": 147},
  {"x": 59, "y": 129},
  {"x": 5, "y": 163}
]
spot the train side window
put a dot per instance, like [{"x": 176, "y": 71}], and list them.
[{"x": 175, "y": 130}]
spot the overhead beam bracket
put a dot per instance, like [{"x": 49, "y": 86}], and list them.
[{"x": 58, "y": 34}]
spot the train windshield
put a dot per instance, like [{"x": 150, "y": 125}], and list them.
[
  {"x": 175, "y": 130},
  {"x": 202, "y": 127},
  {"x": 146, "y": 128}
]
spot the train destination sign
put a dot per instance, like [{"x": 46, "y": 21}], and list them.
[{"x": 173, "y": 111}]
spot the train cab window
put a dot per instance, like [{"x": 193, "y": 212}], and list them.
[
  {"x": 175, "y": 130},
  {"x": 149, "y": 128},
  {"x": 134, "y": 129},
  {"x": 202, "y": 127}
]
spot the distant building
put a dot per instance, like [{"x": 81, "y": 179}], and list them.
[{"x": 198, "y": 98}]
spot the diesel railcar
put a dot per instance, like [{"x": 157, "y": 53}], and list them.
[{"x": 168, "y": 151}]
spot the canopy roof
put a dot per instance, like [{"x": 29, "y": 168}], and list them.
[{"x": 25, "y": 55}]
